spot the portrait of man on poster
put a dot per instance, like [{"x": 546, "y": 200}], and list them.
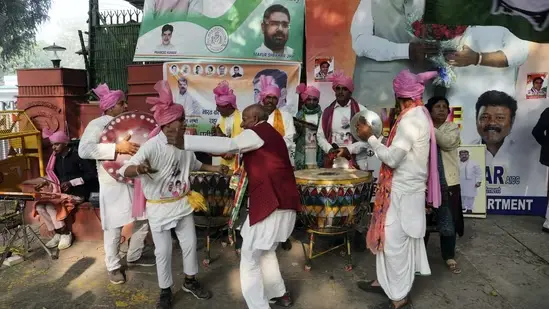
[{"x": 276, "y": 31}]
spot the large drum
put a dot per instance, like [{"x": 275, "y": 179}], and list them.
[
  {"x": 215, "y": 189},
  {"x": 332, "y": 198}
]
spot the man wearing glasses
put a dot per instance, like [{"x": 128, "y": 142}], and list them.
[{"x": 275, "y": 27}]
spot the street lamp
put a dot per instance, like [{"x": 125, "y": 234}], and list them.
[{"x": 55, "y": 59}]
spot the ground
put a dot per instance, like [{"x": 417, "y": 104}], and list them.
[{"x": 504, "y": 261}]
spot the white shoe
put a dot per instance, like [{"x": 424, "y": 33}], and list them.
[
  {"x": 54, "y": 242},
  {"x": 65, "y": 241}
]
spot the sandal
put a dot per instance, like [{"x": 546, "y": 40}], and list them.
[
  {"x": 367, "y": 286},
  {"x": 390, "y": 305},
  {"x": 453, "y": 266}
]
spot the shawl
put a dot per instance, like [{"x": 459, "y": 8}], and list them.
[{"x": 301, "y": 136}]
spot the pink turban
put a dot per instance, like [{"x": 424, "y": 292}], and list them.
[
  {"x": 108, "y": 98},
  {"x": 164, "y": 110},
  {"x": 268, "y": 87},
  {"x": 305, "y": 92},
  {"x": 58, "y": 137},
  {"x": 339, "y": 79},
  {"x": 224, "y": 95},
  {"x": 409, "y": 85}
]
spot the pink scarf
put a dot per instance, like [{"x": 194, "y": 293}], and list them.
[
  {"x": 339, "y": 79},
  {"x": 165, "y": 111},
  {"x": 268, "y": 87},
  {"x": 108, "y": 98},
  {"x": 305, "y": 92},
  {"x": 58, "y": 137},
  {"x": 224, "y": 95}
]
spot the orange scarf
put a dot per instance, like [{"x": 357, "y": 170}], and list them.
[
  {"x": 278, "y": 122},
  {"x": 375, "y": 239}
]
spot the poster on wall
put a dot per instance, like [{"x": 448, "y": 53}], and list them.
[
  {"x": 269, "y": 30},
  {"x": 472, "y": 164},
  {"x": 192, "y": 84},
  {"x": 373, "y": 48}
]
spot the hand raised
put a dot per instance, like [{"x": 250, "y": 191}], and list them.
[{"x": 127, "y": 147}]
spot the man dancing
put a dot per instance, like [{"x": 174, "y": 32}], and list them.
[
  {"x": 115, "y": 198},
  {"x": 69, "y": 174},
  {"x": 273, "y": 201},
  {"x": 280, "y": 120},
  {"x": 398, "y": 224},
  {"x": 159, "y": 162}
]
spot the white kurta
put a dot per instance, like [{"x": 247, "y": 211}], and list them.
[
  {"x": 470, "y": 174},
  {"x": 229, "y": 121},
  {"x": 115, "y": 198},
  {"x": 171, "y": 181},
  {"x": 404, "y": 252},
  {"x": 260, "y": 276},
  {"x": 289, "y": 130},
  {"x": 341, "y": 134},
  {"x": 190, "y": 104},
  {"x": 311, "y": 142}
]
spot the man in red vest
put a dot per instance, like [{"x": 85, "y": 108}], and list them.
[{"x": 273, "y": 202}]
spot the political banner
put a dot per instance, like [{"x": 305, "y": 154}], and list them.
[
  {"x": 471, "y": 60},
  {"x": 267, "y": 30},
  {"x": 192, "y": 83}
]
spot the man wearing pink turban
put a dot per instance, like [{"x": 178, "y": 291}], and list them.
[
  {"x": 307, "y": 152},
  {"x": 335, "y": 126},
  {"x": 159, "y": 162},
  {"x": 282, "y": 121},
  {"x": 409, "y": 174},
  {"x": 67, "y": 173},
  {"x": 115, "y": 198},
  {"x": 229, "y": 120}
]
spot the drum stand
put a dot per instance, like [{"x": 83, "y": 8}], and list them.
[
  {"x": 23, "y": 227},
  {"x": 310, "y": 255}
]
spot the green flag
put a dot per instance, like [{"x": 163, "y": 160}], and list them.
[{"x": 527, "y": 19}]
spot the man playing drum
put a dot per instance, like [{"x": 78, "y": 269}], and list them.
[
  {"x": 160, "y": 162},
  {"x": 409, "y": 169},
  {"x": 228, "y": 123},
  {"x": 115, "y": 198},
  {"x": 335, "y": 126},
  {"x": 67, "y": 173},
  {"x": 273, "y": 201}
]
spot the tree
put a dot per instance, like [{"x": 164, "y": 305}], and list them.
[
  {"x": 34, "y": 58},
  {"x": 19, "y": 21}
]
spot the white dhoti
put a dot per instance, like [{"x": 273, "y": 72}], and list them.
[
  {"x": 111, "y": 242},
  {"x": 162, "y": 237},
  {"x": 546, "y": 223},
  {"x": 468, "y": 202},
  {"x": 260, "y": 275},
  {"x": 404, "y": 254}
]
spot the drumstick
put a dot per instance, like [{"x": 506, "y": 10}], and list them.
[
  {"x": 305, "y": 123},
  {"x": 46, "y": 179}
]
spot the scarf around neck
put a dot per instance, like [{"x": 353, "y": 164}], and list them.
[
  {"x": 301, "y": 136},
  {"x": 375, "y": 238}
]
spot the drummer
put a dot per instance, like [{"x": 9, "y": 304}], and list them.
[
  {"x": 163, "y": 161},
  {"x": 115, "y": 198},
  {"x": 280, "y": 120},
  {"x": 307, "y": 152},
  {"x": 67, "y": 173},
  {"x": 273, "y": 200},
  {"x": 335, "y": 126},
  {"x": 228, "y": 123}
]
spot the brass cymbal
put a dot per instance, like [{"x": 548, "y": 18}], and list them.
[{"x": 372, "y": 119}]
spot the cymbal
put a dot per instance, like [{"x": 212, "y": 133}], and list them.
[{"x": 372, "y": 119}]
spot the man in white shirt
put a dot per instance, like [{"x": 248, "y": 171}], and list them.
[
  {"x": 275, "y": 27},
  {"x": 115, "y": 198},
  {"x": 336, "y": 123},
  {"x": 280, "y": 120},
  {"x": 183, "y": 97},
  {"x": 166, "y": 45},
  {"x": 160, "y": 162},
  {"x": 470, "y": 180},
  {"x": 273, "y": 202},
  {"x": 308, "y": 155},
  {"x": 409, "y": 163},
  {"x": 384, "y": 46}
]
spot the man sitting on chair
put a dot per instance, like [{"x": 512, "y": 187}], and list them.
[{"x": 67, "y": 173}]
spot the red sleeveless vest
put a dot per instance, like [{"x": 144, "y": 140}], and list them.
[{"x": 271, "y": 180}]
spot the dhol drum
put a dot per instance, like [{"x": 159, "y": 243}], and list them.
[
  {"x": 333, "y": 200},
  {"x": 138, "y": 125},
  {"x": 219, "y": 200}
]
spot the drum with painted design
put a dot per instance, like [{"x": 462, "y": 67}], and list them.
[
  {"x": 333, "y": 198},
  {"x": 137, "y": 124},
  {"x": 216, "y": 190}
]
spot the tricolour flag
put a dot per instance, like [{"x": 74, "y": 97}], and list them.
[{"x": 527, "y": 19}]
